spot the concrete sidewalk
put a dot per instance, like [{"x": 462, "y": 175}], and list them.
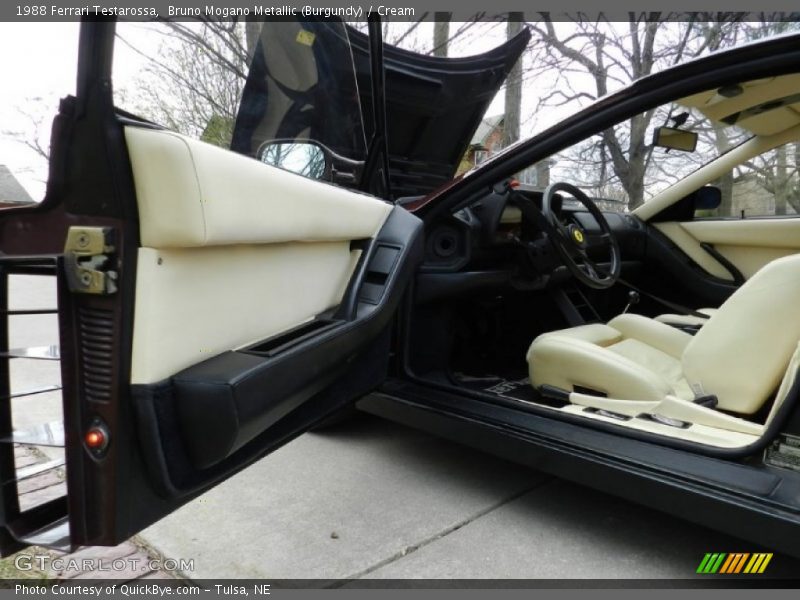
[
  {"x": 338, "y": 505},
  {"x": 375, "y": 500}
]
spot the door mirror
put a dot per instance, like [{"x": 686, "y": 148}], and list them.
[
  {"x": 302, "y": 157},
  {"x": 675, "y": 139}
]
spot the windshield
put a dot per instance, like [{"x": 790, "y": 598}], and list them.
[
  {"x": 623, "y": 167},
  {"x": 301, "y": 86}
]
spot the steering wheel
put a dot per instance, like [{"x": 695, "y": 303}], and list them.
[{"x": 572, "y": 243}]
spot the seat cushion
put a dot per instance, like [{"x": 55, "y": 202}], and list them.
[
  {"x": 631, "y": 358},
  {"x": 650, "y": 358},
  {"x": 660, "y": 336}
]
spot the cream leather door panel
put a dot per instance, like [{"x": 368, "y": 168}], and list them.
[
  {"x": 261, "y": 249},
  {"x": 257, "y": 291},
  {"x": 193, "y": 194},
  {"x": 677, "y": 234},
  {"x": 748, "y": 244},
  {"x": 253, "y": 292}
]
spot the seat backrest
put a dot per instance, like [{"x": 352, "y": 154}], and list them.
[{"x": 742, "y": 352}]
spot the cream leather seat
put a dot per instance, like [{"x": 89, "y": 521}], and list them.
[{"x": 739, "y": 355}]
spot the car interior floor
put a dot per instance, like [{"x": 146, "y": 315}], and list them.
[{"x": 479, "y": 343}]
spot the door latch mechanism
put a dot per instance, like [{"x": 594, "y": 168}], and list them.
[{"x": 88, "y": 260}]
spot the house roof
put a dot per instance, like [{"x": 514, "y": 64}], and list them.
[
  {"x": 10, "y": 189},
  {"x": 484, "y": 130}
]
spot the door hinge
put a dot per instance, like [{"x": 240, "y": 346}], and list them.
[{"x": 88, "y": 260}]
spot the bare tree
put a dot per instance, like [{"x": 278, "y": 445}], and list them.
[
  {"x": 774, "y": 176},
  {"x": 33, "y": 126},
  {"x": 591, "y": 58},
  {"x": 775, "y": 172},
  {"x": 193, "y": 83},
  {"x": 409, "y": 36},
  {"x": 31, "y": 129}
]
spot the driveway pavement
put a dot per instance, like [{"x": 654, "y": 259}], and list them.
[{"x": 371, "y": 499}]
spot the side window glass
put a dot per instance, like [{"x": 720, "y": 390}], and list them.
[
  {"x": 282, "y": 93},
  {"x": 768, "y": 185}
]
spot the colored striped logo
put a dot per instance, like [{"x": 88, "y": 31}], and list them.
[{"x": 734, "y": 563}]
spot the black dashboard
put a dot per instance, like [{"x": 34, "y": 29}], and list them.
[{"x": 490, "y": 242}]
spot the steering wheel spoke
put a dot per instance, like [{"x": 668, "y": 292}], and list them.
[{"x": 593, "y": 269}]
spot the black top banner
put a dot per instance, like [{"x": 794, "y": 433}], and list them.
[{"x": 403, "y": 10}]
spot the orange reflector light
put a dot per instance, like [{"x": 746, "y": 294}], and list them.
[{"x": 95, "y": 439}]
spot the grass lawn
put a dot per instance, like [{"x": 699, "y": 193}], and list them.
[{"x": 8, "y": 569}]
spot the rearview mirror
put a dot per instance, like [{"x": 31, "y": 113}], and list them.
[
  {"x": 302, "y": 157},
  {"x": 675, "y": 139}
]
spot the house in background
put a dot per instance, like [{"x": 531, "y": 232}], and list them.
[
  {"x": 488, "y": 140},
  {"x": 11, "y": 191}
]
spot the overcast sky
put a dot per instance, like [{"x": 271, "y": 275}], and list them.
[
  {"x": 37, "y": 68},
  {"x": 38, "y": 61}
]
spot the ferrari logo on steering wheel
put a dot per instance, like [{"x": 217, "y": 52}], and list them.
[{"x": 577, "y": 234}]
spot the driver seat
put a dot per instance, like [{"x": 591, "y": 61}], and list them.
[{"x": 739, "y": 355}]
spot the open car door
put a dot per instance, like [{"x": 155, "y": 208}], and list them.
[{"x": 211, "y": 308}]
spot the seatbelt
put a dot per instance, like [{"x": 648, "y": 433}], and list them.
[{"x": 671, "y": 305}]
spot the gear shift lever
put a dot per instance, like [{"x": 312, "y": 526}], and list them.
[{"x": 633, "y": 300}]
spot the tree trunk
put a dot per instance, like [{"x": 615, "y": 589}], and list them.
[
  {"x": 513, "y": 97},
  {"x": 441, "y": 33},
  {"x": 793, "y": 197},
  {"x": 634, "y": 182},
  {"x": 781, "y": 180}
]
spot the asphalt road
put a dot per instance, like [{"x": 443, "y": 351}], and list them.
[{"x": 371, "y": 499}]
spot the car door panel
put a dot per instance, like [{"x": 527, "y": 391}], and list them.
[
  {"x": 679, "y": 272},
  {"x": 238, "y": 343},
  {"x": 192, "y": 194},
  {"x": 747, "y": 244},
  {"x": 262, "y": 249},
  {"x": 255, "y": 292},
  {"x": 222, "y": 405},
  {"x": 691, "y": 246}
]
